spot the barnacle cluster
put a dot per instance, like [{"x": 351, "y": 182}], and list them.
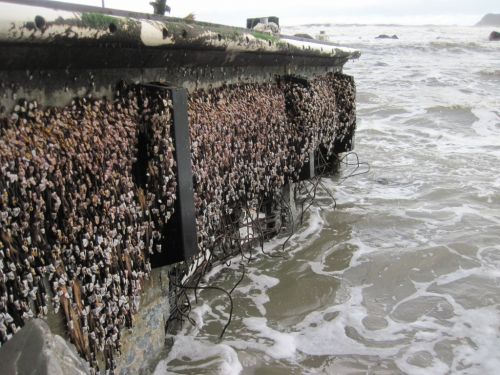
[
  {"x": 248, "y": 140},
  {"x": 87, "y": 190},
  {"x": 324, "y": 108},
  {"x": 75, "y": 227}
]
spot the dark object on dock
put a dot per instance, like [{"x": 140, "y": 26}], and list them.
[
  {"x": 494, "y": 36},
  {"x": 160, "y": 7},
  {"x": 385, "y": 36},
  {"x": 252, "y": 22}
]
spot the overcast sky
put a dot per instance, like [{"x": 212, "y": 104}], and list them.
[{"x": 293, "y": 12}]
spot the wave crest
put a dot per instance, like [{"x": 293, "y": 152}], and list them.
[{"x": 453, "y": 46}]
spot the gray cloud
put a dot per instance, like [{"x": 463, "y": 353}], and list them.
[{"x": 295, "y": 11}]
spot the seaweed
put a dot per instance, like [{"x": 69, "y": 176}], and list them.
[
  {"x": 98, "y": 20},
  {"x": 265, "y": 36}
]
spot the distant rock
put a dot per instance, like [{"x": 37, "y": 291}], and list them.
[
  {"x": 385, "y": 36},
  {"x": 490, "y": 20},
  {"x": 305, "y": 36},
  {"x": 495, "y": 36},
  {"x": 35, "y": 350}
]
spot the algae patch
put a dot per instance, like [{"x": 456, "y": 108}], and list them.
[
  {"x": 98, "y": 20},
  {"x": 265, "y": 36}
]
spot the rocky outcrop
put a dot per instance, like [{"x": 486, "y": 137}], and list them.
[
  {"x": 495, "y": 36},
  {"x": 385, "y": 36},
  {"x": 303, "y": 35},
  {"x": 34, "y": 350},
  {"x": 490, "y": 20}
]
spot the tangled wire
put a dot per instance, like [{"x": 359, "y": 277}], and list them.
[{"x": 277, "y": 220}]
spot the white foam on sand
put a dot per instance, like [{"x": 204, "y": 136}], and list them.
[
  {"x": 438, "y": 335},
  {"x": 279, "y": 345},
  {"x": 334, "y": 331},
  {"x": 450, "y": 323},
  {"x": 257, "y": 289},
  {"x": 187, "y": 350}
]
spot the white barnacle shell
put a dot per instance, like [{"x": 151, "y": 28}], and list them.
[{"x": 12, "y": 177}]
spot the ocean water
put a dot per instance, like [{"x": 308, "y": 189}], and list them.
[{"x": 403, "y": 277}]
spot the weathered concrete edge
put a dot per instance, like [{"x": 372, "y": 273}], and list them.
[
  {"x": 69, "y": 24},
  {"x": 55, "y": 51}
]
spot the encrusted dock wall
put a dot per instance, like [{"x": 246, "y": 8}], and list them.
[{"x": 91, "y": 196}]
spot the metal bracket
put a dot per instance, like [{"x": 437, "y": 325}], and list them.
[
  {"x": 185, "y": 190},
  {"x": 180, "y": 233}
]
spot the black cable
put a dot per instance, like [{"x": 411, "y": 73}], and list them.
[{"x": 214, "y": 288}]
